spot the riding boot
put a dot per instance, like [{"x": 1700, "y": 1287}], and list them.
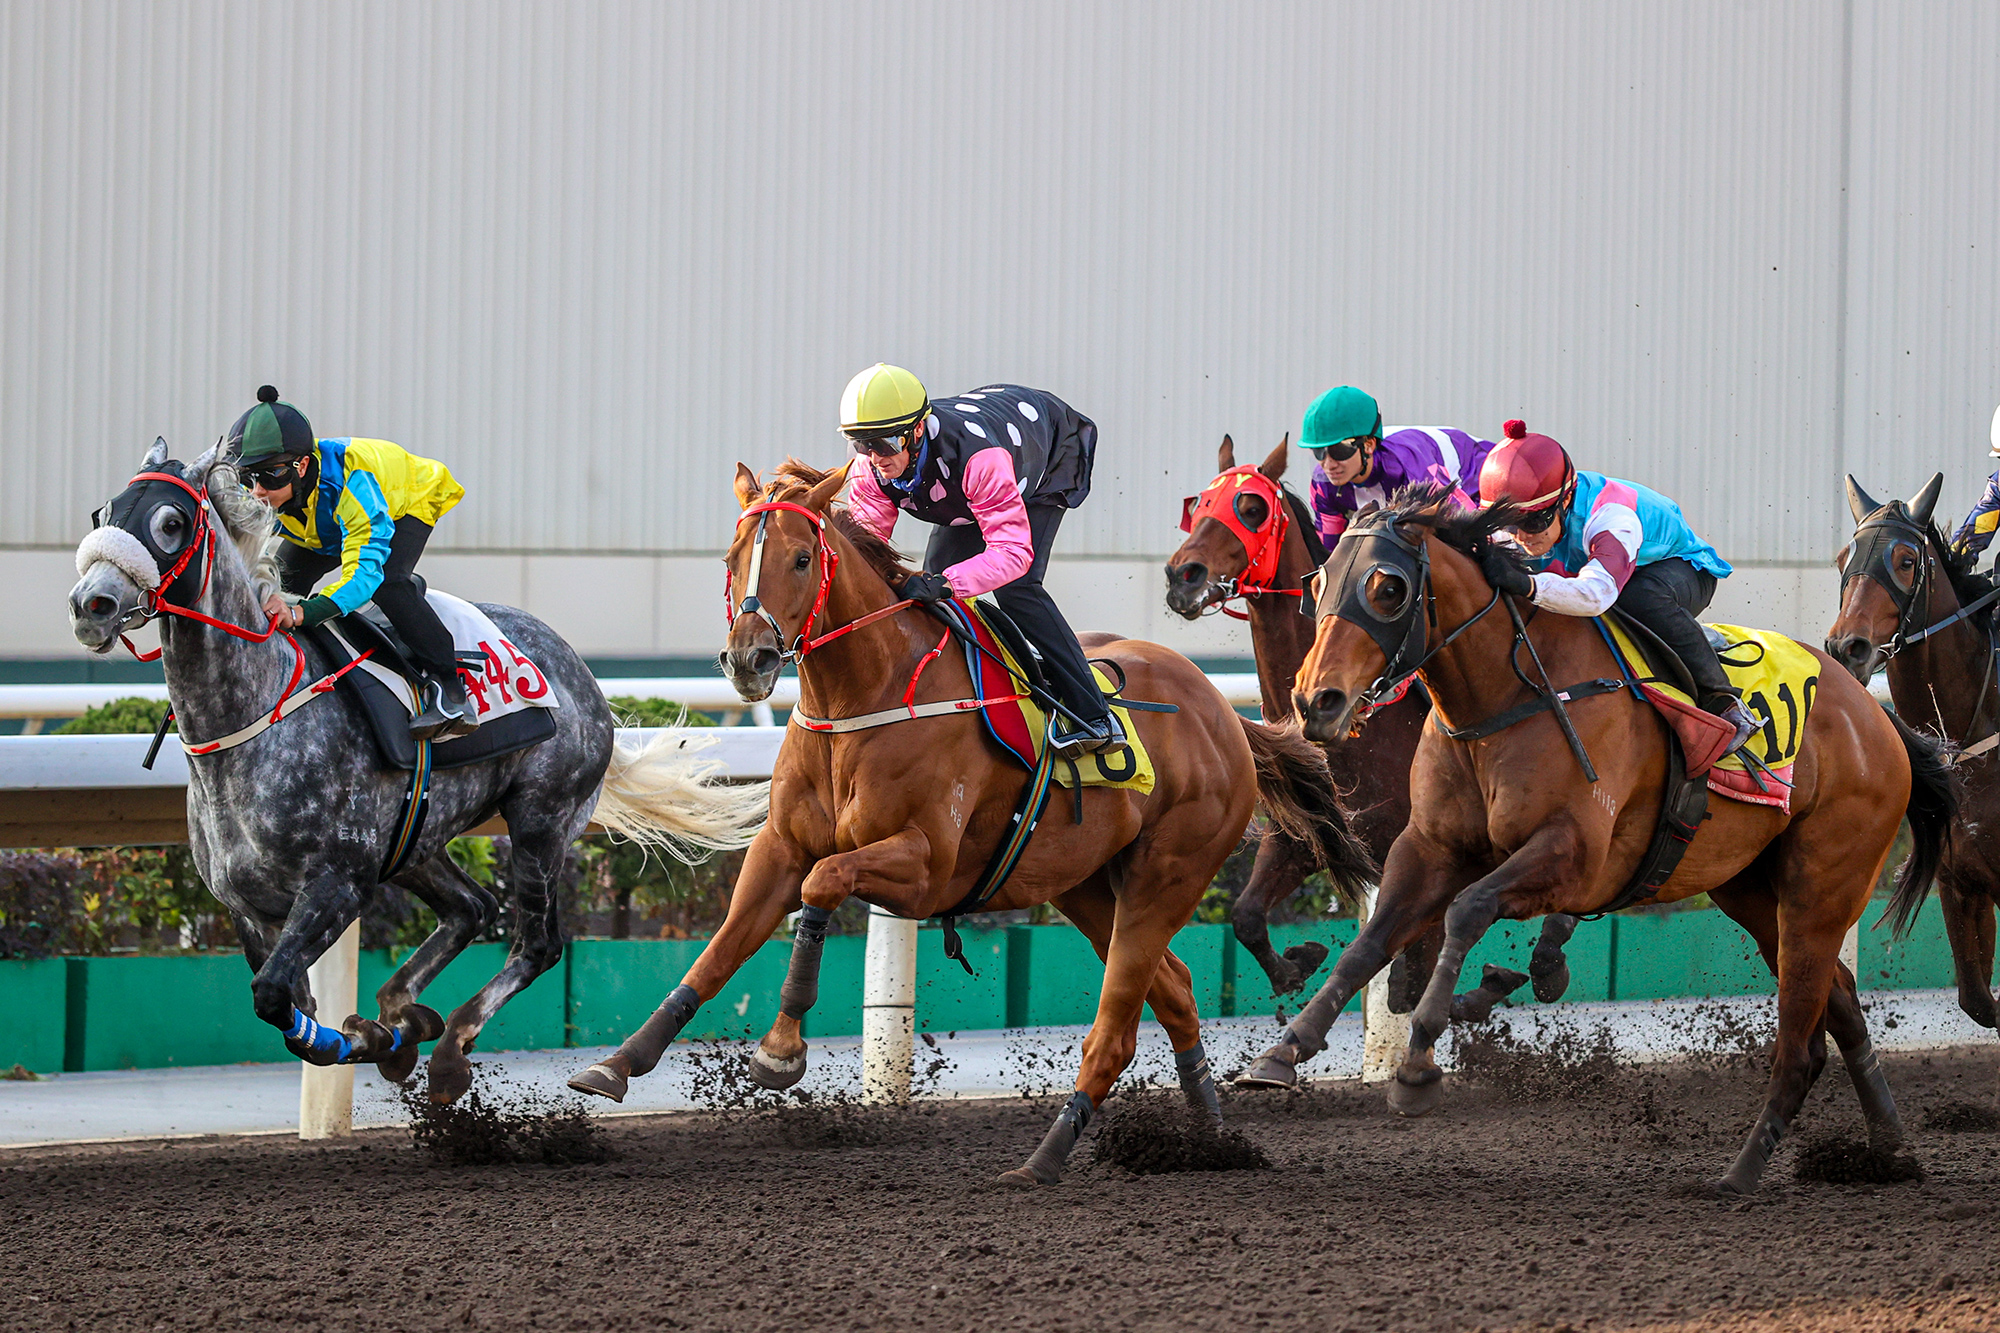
[{"x": 447, "y": 712}]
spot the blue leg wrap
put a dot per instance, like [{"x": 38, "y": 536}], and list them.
[{"x": 320, "y": 1040}]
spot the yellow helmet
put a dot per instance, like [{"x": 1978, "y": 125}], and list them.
[{"x": 882, "y": 400}]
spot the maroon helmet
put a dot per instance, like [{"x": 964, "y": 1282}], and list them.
[{"x": 1532, "y": 472}]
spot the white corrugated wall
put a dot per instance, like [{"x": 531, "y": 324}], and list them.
[{"x": 592, "y": 254}]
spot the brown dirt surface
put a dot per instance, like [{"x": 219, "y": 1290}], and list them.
[{"x": 1509, "y": 1209}]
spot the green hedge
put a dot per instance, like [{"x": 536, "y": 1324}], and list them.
[{"x": 148, "y": 1012}]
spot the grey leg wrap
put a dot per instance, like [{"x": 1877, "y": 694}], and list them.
[
  {"x": 1885, "y": 1127},
  {"x": 666, "y": 1023},
  {"x": 801, "y": 988},
  {"x": 1765, "y": 1136},
  {"x": 1197, "y": 1081},
  {"x": 1046, "y": 1162}
]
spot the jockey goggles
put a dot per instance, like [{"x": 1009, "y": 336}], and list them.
[
  {"x": 882, "y": 446},
  {"x": 1340, "y": 451},
  {"x": 1536, "y": 521},
  {"x": 272, "y": 476}
]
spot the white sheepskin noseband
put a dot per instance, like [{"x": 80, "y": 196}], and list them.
[{"x": 121, "y": 549}]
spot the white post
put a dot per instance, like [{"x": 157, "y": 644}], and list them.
[
  {"x": 1385, "y": 1037},
  {"x": 1850, "y": 952},
  {"x": 326, "y": 1092},
  {"x": 760, "y": 713},
  {"x": 888, "y": 1007}
]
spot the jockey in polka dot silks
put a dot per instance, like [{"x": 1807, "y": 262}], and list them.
[
  {"x": 364, "y": 508},
  {"x": 1976, "y": 533},
  {"x": 1359, "y": 465},
  {"x": 1599, "y": 542},
  {"x": 995, "y": 470}
]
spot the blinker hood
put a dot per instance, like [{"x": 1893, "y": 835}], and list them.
[
  {"x": 131, "y": 511},
  {"x": 1370, "y": 544}
]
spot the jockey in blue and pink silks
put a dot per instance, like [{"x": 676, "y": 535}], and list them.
[
  {"x": 1358, "y": 464},
  {"x": 1976, "y": 533},
  {"x": 1594, "y": 542}
]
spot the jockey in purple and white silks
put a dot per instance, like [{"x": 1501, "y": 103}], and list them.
[
  {"x": 1976, "y": 533},
  {"x": 1358, "y": 464}
]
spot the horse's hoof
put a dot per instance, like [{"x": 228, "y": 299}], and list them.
[
  {"x": 776, "y": 1075},
  {"x": 1021, "y": 1178},
  {"x": 1418, "y": 1098},
  {"x": 1550, "y": 985},
  {"x": 1285, "y": 979},
  {"x": 1306, "y": 957},
  {"x": 1269, "y": 1070},
  {"x": 450, "y": 1079},
  {"x": 601, "y": 1081},
  {"x": 1726, "y": 1188},
  {"x": 427, "y": 1022},
  {"x": 398, "y": 1066}
]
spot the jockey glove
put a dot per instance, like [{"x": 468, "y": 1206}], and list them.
[
  {"x": 1505, "y": 574},
  {"x": 926, "y": 588}
]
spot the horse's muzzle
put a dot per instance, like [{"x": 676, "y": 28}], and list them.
[
  {"x": 752, "y": 670},
  {"x": 1858, "y": 653},
  {"x": 1188, "y": 589},
  {"x": 1324, "y": 713},
  {"x": 99, "y": 606}
]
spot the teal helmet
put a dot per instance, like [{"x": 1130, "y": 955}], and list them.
[
  {"x": 1340, "y": 414},
  {"x": 269, "y": 430}
]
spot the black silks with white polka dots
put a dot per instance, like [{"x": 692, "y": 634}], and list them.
[{"x": 1052, "y": 445}]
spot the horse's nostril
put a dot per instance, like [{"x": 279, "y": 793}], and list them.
[
  {"x": 1328, "y": 703},
  {"x": 101, "y": 605},
  {"x": 1191, "y": 574},
  {"x": 764, "y": 661}
]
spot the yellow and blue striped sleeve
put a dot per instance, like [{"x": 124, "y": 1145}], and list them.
[
  {"x": 365, "y": 530},
  {"x": 1976, "y": 533}
]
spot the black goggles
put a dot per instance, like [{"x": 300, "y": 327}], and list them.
[
  {"x": 1538, "y": 521},
  {"x": 271, "y": 476},
  {"x": 1339, "y": 452},
  {"x": 884, "y": 446}
]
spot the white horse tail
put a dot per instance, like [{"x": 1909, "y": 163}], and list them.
[{"x": 660, "y": 795}]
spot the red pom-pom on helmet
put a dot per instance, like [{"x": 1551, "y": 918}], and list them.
[{"x": 1515, "y": 430}]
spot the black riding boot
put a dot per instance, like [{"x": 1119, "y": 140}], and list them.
[
  {"x": 1665, "y": 597},
  {"x": 445, "y": 711}
]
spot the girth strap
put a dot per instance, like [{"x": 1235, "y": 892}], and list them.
[
  {"x": 1007, "y": 855},
  {"x": 1541, "y": 703},
  {"x": 416, "y": 806}
]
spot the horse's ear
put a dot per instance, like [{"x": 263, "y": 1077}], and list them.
[
  {"x": 197, "y": 471},
  {"x": 1225, "y": 457},
  {"x": 1274, "y": 462},
  {"x": 820, "y": 496},
  {"x": 746, "y": 486},
  {"x": 155, "y": 455},
  {"x": 1861, "y": 502},
  {"x": 1925, "y": 500}
]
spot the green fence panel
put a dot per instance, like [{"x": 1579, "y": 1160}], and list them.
[
  {"x": 614, "y": 986},
  {"x": 531, "y": 1021},
  {"x": 1511, "y": 944},
  {"x": 1253, "y": 997},
  {"x": 151, "y": 1013},
  {"x": 950, "y": 1001},
  {"x": 1065, "y": 975},
  {"x": 1921, "y": 962},
  {"x": 1661, "y": 955},
  {"x": 837, "y": 1011},
  {"x": 33, "y": 997},
  {"x": 1206, "y": 950}
]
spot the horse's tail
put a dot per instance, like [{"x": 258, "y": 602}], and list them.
[
  {"x": 1298, "y": 794},
  {"x": 662, "y": 796},
  {"x": 1932, "y": 808}
]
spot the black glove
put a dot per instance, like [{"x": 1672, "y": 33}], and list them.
[
  {"x": 926, "y": 588},
  {"x": 1505, "y": 573}
]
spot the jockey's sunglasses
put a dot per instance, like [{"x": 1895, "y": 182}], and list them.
[
  {"x": 887, "y": 446},
  {"x": 1536, "y": 522},
  {"x": 1340, "y": 452},
  {"x": 273, "y": 477}
]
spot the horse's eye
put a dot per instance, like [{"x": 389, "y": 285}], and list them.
[
  {"x": 1390, "y": 593},
  {"x": 803, "y": 562},
  {"x": 168, "y": 528},
  {"x": 1252, "y": 510}
]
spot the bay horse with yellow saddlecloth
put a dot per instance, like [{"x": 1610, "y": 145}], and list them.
[
  {"x": 905, "y": 807},
  {"x": 1539, "y": 805}
]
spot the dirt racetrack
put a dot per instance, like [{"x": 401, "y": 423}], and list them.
[{"x": 1522, "y": 1204}]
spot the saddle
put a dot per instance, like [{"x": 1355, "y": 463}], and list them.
[{"x": 368, "y": 631}]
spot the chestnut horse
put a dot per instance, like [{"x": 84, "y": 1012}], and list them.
[
  {"x": 1916, "y": 605},
  {"x": 1222, "y": 561},
  {"x": 1509, "y": 826},
  {"x": 905, "y": 805}
]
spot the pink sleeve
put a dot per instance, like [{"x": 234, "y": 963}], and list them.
[
  {"x": 1003, "y": 521},
  {"x": 866, "y": 501}
]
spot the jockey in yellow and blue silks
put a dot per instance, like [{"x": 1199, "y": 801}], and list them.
[
  {"x": 365, "y": 508},
  {"x": 1976, "y": 533}
]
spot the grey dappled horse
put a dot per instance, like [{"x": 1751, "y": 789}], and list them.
[{"x": 291, "y": 828}]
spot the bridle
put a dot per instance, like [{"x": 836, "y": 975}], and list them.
[
  {"x": 829, "y": 561},
  {"x": 1263, "y": 545},
  {"x": 1373, "y": 543}
]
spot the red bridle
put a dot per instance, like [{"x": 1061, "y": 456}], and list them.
[
  {"x": 1262, "y": 545},
  {"x": 153, "y": 601},
  {"x": 829, "y": 561}
]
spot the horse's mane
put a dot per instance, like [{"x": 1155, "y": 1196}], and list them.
[
  {"x": 1967, "y": 583},
  {"x": 1470, "y": 532},
  {"x": 791, "y": 480},
  {"x": 247, "y": 522},
  {"x": 1302, "y": 516}
]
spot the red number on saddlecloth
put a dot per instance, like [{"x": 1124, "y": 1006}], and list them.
[
  {"x": 496, "y": 674},
  {"x": 475, "y": 689},
  {"x": 529, "y": 684}
]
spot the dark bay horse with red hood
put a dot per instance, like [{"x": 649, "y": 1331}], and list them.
[
  {"x": 1505, "y": 824},
  {"x": 1913, "y": 604},
  {"x": 887, "y": 789},
  {"x": 1250, "y": 537}
]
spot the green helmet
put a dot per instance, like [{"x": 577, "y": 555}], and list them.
[
  {"x": 269, "y": 430},
  {"x": 1340, "y": 414}
]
